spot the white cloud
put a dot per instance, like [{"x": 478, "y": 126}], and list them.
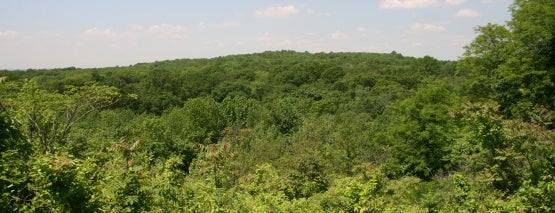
[
  {"x": 286, "y": 42},
  {"x": 313, "y": 12},
  {"x": 166, "y": 28},
  {"x": 279, "y": 11},
  {"x": 202, "y": 25},
  {"x": 418, "y": 27},
  {"x": 338, "y": 35},
  {"x": 407, "y": 4},
  {"x": 416, "y": 44},
  {"x": 49, "y": 35},
  {"x": 467, "y": 13},
  {"x": 361, "y": 29},
  {"x": 454, "y": 2},
  {"x": 227, "y": 25},
  {"x": 8, "y": 34},
  {"x": 79, "y": 44},
  {"x": 224, "y": 25},
  {"x": 100, "y": 33},
  {"x": 264, "y": 38},
  {"x": 407, "y": 42},
  {"x": 168, "y": 31},
  {"x": 137, "y": 27},
  {"x": 461, "y": 41}
]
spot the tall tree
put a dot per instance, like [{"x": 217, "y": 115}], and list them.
[
  {"x": 420, "y": 131},
  {"x": 514, "y": 64}
]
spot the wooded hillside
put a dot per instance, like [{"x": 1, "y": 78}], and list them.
[{"x": 288, "y": 131}]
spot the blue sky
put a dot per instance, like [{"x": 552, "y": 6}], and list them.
[{"x": 100, "y": 33}]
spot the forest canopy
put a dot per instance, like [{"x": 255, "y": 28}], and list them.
[{"x": 285, "y": 131}]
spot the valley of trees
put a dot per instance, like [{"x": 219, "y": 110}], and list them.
[{"x": 287, "y": 131}]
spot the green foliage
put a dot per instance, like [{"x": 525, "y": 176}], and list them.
[
  {"x": 199, "y": 121},
  {"x": 514, "y": 65},
  {"x": 49, "y": 183},
  {"x": 126, "y": 191},
  {"x": 14, "y": 173},
  {"x": 285, "y": 116},
  {"x": 426, "y": 66},
  {"x": 534, "y": 197},
  {"x": 511, "y": 151},
  {"x": 14, "y": 152},
  {"x": 420, "y": 131},
  {"x": 534, "y": 35},
  {"x": 10, "y": 136},
  {"x": 361, "y": 193},
  {"x": 50, "y": 116},
  {"x": 301, "y": 73},
  {"x": 332, "y": 74},
  {"x": 286, "y": 131},
  {"x": 238, "y": 111},
  {"x": 307, "y": 179}
]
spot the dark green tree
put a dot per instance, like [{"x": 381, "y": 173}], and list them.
[
  {"x": 285, "y": 116},
  {"x": 420, "y": 131},
  {"x": 513, "y": 64}
]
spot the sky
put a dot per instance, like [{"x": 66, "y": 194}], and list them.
[{"x": 102, "y": 33}]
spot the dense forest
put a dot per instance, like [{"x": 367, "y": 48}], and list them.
[{"x": 286, "y": 131}]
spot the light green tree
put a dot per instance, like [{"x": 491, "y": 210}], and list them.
[{"x": 49, "y": 116}]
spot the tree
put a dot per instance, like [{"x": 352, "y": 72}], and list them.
[
  {"x": 199, "y": 121},
  {"x": 513, "y": 152},
  {"x": 426, "y": 66},
  {"x": 10, "y": 136},
  {"x": 158, "y": 91},
  {"x": 361, "y": 193},
  {"x": 482, "y": 58},
  {"x": 285, "y": 115},
  {"x": 307, "y": 179},
  {"x": 237, "y": 110},
  {"x": 514, "y": 64},
  {"x": 420, "y": 131},
  {"x": 48, "y": 116},
  {"x": 534, "y": 35},
  {"x": 14, "y": 154},
  {"x": 332, "y": 74}
]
